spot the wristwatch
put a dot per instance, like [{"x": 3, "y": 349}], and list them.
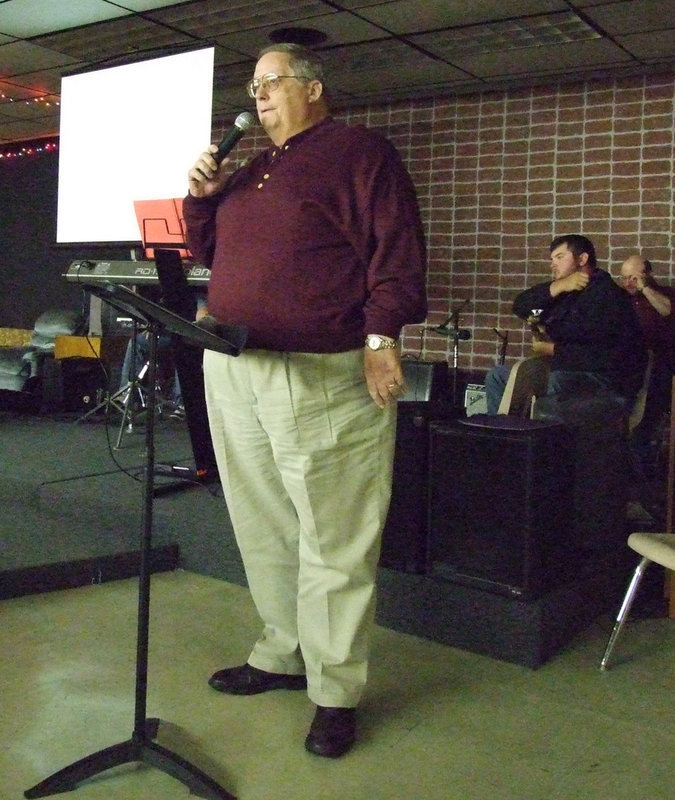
[{"x": 377, "y": 342}]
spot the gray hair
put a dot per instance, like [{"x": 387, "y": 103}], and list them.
[{"x": 304, "y": 62}]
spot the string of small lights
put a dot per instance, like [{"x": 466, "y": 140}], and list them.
[
  {"x": 23, "y": 149},
  {"x": 45, "y": 99},
  {"x": 28, "y": 150},
  {"x": 19, "y": 149}
]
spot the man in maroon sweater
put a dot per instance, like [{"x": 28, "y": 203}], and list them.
[{"x": 316, "y": 246}]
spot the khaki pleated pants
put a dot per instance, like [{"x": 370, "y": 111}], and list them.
[{"x": 305, "y": 457}]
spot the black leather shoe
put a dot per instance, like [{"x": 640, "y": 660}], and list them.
[
  {"x": 250, "y": 680},
  {"x": 332, "y": 733}
]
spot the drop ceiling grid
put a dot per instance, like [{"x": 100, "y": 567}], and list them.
[
  {"x": 207, "y": 19},
  {"x": 107, "y": 40}
]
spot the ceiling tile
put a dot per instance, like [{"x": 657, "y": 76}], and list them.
[
  {"x": 635, "y": 16},
  {"x": 24, "y": 18},
  {"x": 107, "y": 40},
  {"x": 44, "y": 81},
  {"x": 390, "y": 54},
  {"x": 13, "y": 91},
  {"x": 29, "y": 129},
  {"x": 19, "y": 57},
  {"x": 554, "y": 31},
  {"x": 28, "y": 109},
  {"x": 340, "y": 29},
  {"x": 536, "y": 60},
  {"x": 656, "y": 46},
  {"x": 224, "y": 57},
  {"x": 366, "y": 67},
  {"x": 147, "y": 5},
  {"x": 212, "y": 18},
  {"x": 411, "y": 79},
  {"x": 412, "y": 16}
]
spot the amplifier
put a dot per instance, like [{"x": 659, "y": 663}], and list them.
[
  {"x": 83, "y": 382},
  {"x": 475, "y": 399},
  {"x": 404, "y": 539},
  {"x": 427, "y": 381}
]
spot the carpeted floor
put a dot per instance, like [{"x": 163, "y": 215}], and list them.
[{"x": 68, "y": 494}]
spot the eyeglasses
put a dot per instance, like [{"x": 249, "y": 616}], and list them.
[{"x": 268, "y": 83}]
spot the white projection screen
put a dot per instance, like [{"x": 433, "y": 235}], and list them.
[{"x": 128, "y": 133}]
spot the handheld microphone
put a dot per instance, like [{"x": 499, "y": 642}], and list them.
[{"x": 242, "y": 123}]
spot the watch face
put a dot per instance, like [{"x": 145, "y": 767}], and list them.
[{"x": 375, "y": 342}]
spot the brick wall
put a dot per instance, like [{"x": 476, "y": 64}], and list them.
[{"x": 499, "y": 174}]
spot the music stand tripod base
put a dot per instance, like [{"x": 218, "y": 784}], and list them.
[{"x": 141, "y": 747}]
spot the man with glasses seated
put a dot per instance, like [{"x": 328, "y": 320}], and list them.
[
  {"x": 316, "y": 246},
  {"x": 654, "y": 306}
]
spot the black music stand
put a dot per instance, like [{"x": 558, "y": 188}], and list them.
[
  {"x": 177, "y": 297},
  {"x": 140, "y": 747}
]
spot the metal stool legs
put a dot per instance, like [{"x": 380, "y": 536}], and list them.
[{"x": 625, "y": 609}]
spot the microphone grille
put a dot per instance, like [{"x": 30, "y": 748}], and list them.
[{"x": 244, "y": 121}]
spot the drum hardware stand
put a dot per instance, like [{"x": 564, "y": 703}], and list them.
[
  {"x": 141, "y": 747},
  {"x": 106, "y": 402},
  {"x": 120, "y": 399},
  {"x": 129, "y": 398},
  {"x": 135, "y": 399}
]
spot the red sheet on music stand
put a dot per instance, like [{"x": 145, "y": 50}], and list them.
[{"x": 161, "y": 225}]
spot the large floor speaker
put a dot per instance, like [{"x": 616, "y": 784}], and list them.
[
  {"x": 404, "y": 540},
  {"x": 500, "y": 504}
]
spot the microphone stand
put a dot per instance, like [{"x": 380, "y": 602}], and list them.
[
  {"x": 504, "y": 343},
  {"x": 456, "y": 333}
]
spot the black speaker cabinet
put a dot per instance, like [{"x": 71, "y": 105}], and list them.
[
  {"x": 83, "y": 381},
  {"x": 404, "y": 539},
  {"x": 500, "y": 504}
]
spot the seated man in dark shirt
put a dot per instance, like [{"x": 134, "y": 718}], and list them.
[
  {"x": 591, "y": 331},
  {"x": 654, "y": 306},
  {"x": 655, "y": 309}
]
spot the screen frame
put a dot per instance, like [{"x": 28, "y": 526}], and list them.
[{"x": 106, "y": 163}]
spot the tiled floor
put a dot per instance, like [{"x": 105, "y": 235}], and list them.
[{"x": 437, "y": 723}]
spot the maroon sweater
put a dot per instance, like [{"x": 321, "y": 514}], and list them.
[
  {"x": 659, "y": 332},
  {"x": 315, "y": 243}
]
